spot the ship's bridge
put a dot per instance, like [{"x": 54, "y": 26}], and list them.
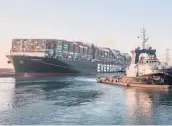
[
  {"x": 136, "y": 54},
  {"x": 149, "y": 61}
]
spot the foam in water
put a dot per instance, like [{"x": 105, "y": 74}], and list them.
[{"x": 85, "y": 79}]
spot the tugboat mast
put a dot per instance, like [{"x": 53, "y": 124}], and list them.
[
  {"x": 167, "y": 57},
  {"x": 144, "y": 38}
]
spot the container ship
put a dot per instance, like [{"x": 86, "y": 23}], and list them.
[{"x": 52, "y": 57}]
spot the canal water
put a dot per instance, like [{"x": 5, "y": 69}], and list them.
[{"x": 80, "y": 100}]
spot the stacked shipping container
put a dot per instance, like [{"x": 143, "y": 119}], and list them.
[
  {"x": 65, "y": 49},
  {"x": 62, "y": 48},
  {"x": 71, "y": 50},
  {"x": 16, "y": 45},
  {"x": 58, "y": 48}
]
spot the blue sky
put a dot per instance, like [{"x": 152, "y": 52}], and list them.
[{"x": 111, "y": 23}]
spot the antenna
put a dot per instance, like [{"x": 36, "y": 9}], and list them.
[
  {"x": 144, "y": 38},
  {"x": 167, "y": 57}
]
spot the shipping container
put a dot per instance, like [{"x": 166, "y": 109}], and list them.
[
  {"x": 81, "y": 49},
  {"x": 76, "y": 48},
  {"x": 49, "y": 44},
  {"x": 16, "y": 45},
  {"x": 59, "y": 48},
  {"x": 89, "y": 51},
  {"x": 59, "y": 45},
  {"x": 85, "y": 49},
  {"x": 71, "y": 50},
  {"x": 71, "y": 47},
  {"x": 49, "y": 52},
  {"x": 58, "y": 54},
  {"x": 78, "y": 43},
  {"x": 99, "y": 51},
  {"x": 96, "y": 51},
  {"x": 65, "y": 47},
  {"x": 59, "y": 42},
  {"x": 33, "y": 45}
]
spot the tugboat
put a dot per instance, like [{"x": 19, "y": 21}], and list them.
[
  {"x": 167, "y": 63},
  {"x": 144, "y": 61},
  {"x": 145, "y": 70}
]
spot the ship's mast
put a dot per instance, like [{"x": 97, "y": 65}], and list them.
[
  {"x": 167, "y": 57},
  {"x": 144, "y": 38}
]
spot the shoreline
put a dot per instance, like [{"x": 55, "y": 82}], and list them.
[{"x": 8, "y": 74}]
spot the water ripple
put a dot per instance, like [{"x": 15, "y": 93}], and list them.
[{"x": 80, "y": 100}]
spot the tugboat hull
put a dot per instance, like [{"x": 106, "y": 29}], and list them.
[{"x": 158, "y": 81}]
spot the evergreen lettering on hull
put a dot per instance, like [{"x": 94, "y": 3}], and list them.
[{"x": 108, "y": 68}]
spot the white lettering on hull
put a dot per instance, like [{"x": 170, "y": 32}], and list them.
[
  {"x": 98, "y": 67},
  {"x": 108, "y": 68}
]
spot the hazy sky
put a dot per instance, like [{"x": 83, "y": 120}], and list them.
[{"x": 111, "y": 23}]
